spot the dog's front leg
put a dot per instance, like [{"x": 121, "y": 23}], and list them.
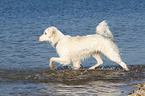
[
  {"x": 51, "y": 64},
  {"x": 58, "y": 60}
]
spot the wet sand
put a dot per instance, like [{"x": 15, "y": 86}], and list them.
[{"x": 75, "y": 77}]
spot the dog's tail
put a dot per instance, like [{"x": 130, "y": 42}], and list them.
[{"x": 103, "y": 29}]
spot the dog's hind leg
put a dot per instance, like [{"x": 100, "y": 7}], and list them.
[
  {"x": 58, "y": 60},
  {"x": 76, "y": 64},
  {"x": 114, "y": 56},
  {"x": 123, "y": 65},
  {"x": 99, "y": 60},
  {"x": 120, "y": 62}
]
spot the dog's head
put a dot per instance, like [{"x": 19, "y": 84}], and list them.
[{"x": 48, "y": 34}]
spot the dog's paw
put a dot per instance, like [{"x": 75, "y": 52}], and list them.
[{"x": 51, "y": 66}]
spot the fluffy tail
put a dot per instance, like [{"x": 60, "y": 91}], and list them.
[{"x": 103, "y": 29}]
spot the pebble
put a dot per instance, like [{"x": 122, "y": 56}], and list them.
[{"x": 140, "y": 91}]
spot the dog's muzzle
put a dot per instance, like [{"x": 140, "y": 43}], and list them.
[{"x": 39, "y": 38}]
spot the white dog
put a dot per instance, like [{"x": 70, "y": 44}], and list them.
[{"x": 74, "y": 49}]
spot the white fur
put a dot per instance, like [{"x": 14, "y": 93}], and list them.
[
  {"x": 74, "y": 49},
  {"x": 103, "y": 29}
]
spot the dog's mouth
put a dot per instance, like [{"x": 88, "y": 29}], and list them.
[{"x": 43, "y": 40}]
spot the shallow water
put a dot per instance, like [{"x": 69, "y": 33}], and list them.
[
  {"x": 24, "y": 60},
  {"x": 102, "y": 81}
]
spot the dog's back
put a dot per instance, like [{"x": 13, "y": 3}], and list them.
[{"x": 82, "y": 47}]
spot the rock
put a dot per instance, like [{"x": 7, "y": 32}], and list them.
[{"x": 140, "y": 91}]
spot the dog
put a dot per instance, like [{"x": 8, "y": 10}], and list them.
[{"x": 74, "y": 49}]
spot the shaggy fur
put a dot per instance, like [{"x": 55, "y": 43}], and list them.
[{"x": 74, "y": 49}]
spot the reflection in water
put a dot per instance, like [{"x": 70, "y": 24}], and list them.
[{"x": 100, "y": 88}]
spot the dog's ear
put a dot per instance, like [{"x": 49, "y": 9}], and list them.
[{"x": 53, "y": 32}]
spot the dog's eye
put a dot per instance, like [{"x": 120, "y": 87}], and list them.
[{"x": 45, "y": 33}]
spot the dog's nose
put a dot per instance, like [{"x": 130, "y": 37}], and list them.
[{"x": 38, "y": 38}]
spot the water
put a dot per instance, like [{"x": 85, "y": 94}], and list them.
[{"x": 24, "y": 60}]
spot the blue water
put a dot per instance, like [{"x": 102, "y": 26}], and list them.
[{"x": 23, "y": 21}]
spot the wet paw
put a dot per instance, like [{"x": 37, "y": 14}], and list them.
[{"x": 51, "y": 66}]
